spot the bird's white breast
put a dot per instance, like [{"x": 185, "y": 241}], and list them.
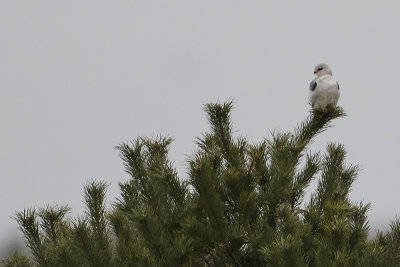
[{"x": 326, "y": 92}]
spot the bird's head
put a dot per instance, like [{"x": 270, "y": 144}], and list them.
[{"x": 322, "y": 69}]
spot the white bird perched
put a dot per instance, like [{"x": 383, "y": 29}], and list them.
[{"x": 324, "y": 89}]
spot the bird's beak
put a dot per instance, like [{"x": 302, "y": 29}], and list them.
[{"x": 315, "y": 71}]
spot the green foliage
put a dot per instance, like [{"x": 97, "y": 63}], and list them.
[
  {"x": 16, "y": 260},
  {"x": 243, "y": 205},
  {"x": 152, "y": 207}
]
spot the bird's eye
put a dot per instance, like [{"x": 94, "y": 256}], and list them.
[{"x": 320, "y": 69}]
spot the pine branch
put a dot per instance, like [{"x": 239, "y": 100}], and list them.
[
  {"x": 132, "y": 158},
  {"x": 336, "y": 178},
  {"x": 94, "y": 195},
  {"x": 303, "y": 178},
  {"x": 95, "y": 203},
  {"x": 85, "y": 243},
  {"x": 29, "y": 226},
  {"x": 52, "y": 222},
  {"x": 316, "y": 123},
  {"x": 16, "y": 260},
  {"x": 221, "y": 126}
]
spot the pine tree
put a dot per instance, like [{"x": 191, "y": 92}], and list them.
[{"x": 243, "y": 205}]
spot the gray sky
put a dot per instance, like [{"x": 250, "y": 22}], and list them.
[{"x": 79, "y": 77}]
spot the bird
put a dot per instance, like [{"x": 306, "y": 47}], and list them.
[{"x": 324, "y": 89}]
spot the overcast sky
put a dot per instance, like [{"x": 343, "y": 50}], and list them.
[{"x": 79, "y": 77}]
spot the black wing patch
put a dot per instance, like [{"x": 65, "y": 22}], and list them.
[
  {"x": 313, "y": 85},
  {"x": 337, "y": 85}
]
